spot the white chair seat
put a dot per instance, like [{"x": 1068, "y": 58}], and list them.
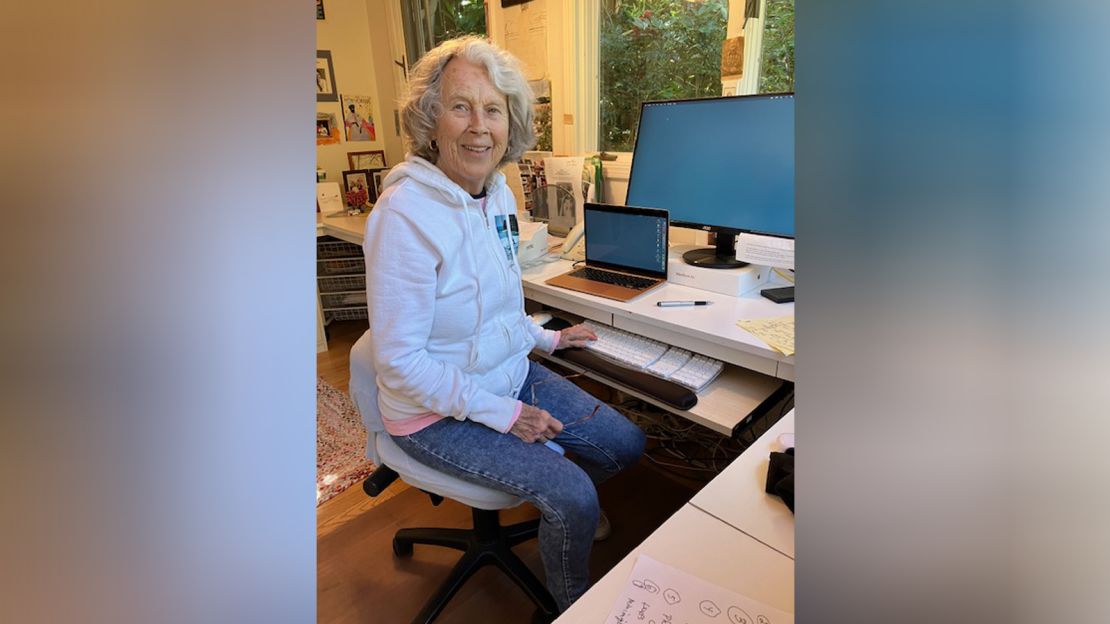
[
  {"x": 420, "y": 476},
  {"x": 381, "y": 448}
]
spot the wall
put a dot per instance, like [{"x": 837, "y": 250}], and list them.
[{"x": 347, "y": 34}]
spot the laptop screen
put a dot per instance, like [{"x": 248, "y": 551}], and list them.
[{"x": 626, "y": 238}]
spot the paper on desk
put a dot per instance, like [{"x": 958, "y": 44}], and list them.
[
  {"x": 777, "y": 332},
  {"x": 659, "y": 593},
  {"x": 765, "y": 250},
  {"x": 328, "y": 199}
]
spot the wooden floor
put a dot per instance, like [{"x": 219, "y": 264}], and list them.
[{"x": 360, "y": 580}]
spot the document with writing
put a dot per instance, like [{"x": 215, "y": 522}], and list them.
[
  {"x": 657, "y": 593},
  {"x": 777, "y": 332},
  {"x": 765, "y": 250}
]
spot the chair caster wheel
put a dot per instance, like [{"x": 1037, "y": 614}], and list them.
[{"x": 402, "y": 549}]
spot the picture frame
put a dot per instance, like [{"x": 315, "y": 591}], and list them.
[
  {"x": 327, "y": 129},
  {"x": 325, "y": 78},
  {"x": 319, "y": 9},
  {"x": 358, "y": 120},
  {"x": 369, "y": 159},
  {"x": 379, "y": 177},
  {"x": 354, "y": 178}
]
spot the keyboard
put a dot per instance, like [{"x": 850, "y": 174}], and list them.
[
  {"x": 695, "y": 371},
  {"x": 617, "y": 279}
]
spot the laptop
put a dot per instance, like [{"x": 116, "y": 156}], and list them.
[{"x": 626, "y": 252}]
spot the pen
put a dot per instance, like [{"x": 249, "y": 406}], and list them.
[{"x": 668, "y": 304}]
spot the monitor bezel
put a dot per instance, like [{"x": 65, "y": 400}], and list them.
[
  {"x": 706, "y": 227},
  {"x": 633, "y": 210}
]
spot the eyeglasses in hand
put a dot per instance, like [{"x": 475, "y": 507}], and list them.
[{"x": 575, "y": 422}]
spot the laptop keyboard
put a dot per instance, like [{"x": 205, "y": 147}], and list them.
[{"x": 617, "y": 279}]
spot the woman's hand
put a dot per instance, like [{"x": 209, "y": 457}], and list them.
[
  {"x": 577, "y": 336},
  {"x": 535, "y": 425}
]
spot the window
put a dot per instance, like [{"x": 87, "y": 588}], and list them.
[
  {"x": 776, "y": 64},
  {"x": 655, "y": 50},
  {"x": 429, "y": 23}
]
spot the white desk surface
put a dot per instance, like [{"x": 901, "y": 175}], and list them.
[
  {"x": 737, "y": 496},
  {"x": 701, "y": 545},
  {"x": 710, "y": 330},
  {"x": 350, "y": 229}
]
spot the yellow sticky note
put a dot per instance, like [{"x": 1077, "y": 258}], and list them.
[{"x": 777, "y": 332}]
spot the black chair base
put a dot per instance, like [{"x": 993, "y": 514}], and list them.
[{"x": 487, "y": 543}]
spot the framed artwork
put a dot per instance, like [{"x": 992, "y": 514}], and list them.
[
  {"x": 379, "y": 177},
  {"x": 358, "y": 120},
  {"x": 319, "y": 9},
  {"x": 372, "y": 159},
  {"x": 360, "y": 179},
  {"x": 325, "y": 78},
  {"x": 327, "y": 129}
]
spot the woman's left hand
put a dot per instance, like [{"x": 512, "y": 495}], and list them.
[{"x": 576, "y": 336}]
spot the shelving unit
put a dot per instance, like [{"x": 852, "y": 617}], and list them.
[{"x": 341, "y": 279}]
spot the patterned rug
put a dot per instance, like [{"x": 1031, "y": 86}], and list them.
[{"x": 340, "y": 443}]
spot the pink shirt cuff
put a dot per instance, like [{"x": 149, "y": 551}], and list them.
[
  {"x": 555, "y": 343},
  {"x": 516, "y": 415}
]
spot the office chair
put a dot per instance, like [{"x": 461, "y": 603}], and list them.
[{"x": 486, "y": 543}]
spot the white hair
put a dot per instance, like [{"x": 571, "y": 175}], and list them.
[{"x": 422, "y": 108}]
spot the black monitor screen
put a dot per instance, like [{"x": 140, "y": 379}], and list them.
[
  {"x": 627, "y": 238},
  {"x": 723, "y": 163}
]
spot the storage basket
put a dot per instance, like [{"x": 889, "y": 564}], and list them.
[
  {"x": 346, "y": 314},
  {"x": 342, "y": 283},
  {"x": 343, "y": 299},
  {"x": 346, "y": 266},
  {"x": 330, "y": 247}
]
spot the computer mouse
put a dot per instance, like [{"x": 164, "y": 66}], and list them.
[{"x": 541, "y": 318}]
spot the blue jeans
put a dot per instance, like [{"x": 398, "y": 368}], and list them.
[{"x": 562, "y": 490}]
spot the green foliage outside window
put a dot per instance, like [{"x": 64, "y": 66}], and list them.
[
  {"x": 455, "y": 18},
  {"x": 656, "y": 50},
  {"x": 776, "y": 72}
]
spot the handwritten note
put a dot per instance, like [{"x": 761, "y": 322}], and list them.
[
  {"x": 657, "y": 593},
  {"x": 777, "y": 332}
]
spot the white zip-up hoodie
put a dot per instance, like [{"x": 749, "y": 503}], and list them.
[{"x": 445, "y": 302}]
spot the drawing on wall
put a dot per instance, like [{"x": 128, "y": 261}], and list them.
[
  {"x": 370, "y": 159},
  {"x": 325, "y": 78},
  {"x": 327, "y": 129},
  {"x": 358, "y": 121}
]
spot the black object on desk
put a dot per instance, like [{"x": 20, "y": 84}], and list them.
[
  {"x": 779, "y": 295},
  {"x": 780, "y": 477}
]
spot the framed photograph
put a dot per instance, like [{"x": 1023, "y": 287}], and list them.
[
  {"x": 379, "y": 177},
  {"x": 360, "y": 179},
  {"x": 327, "y": 129},
  {"x": 358, "y": 119},
  {"x": 372, "y": 159},
  {"x": 325, "y": 78},
  {"x": 319, "y": 9}
]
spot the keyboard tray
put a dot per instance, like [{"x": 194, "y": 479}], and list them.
[{"x": 664, "y": 391}]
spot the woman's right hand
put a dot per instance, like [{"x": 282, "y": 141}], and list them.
[{"x": 535, "y": 425}]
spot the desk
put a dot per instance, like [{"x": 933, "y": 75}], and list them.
[
  {"x": 710, "y": 545},
  {"x": 350, "y": 229},
  {"x": 756, "y": 370},
  {"x": 737, "y": 496}
]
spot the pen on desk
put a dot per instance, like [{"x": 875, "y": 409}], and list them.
[{"x": 668, "y": 304}]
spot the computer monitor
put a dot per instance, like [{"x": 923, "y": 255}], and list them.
[{"x": 719, "y": 164}]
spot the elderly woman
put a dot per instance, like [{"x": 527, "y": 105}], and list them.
[{"x": 451, "y": 339}]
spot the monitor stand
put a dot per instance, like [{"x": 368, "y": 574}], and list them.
[{"x": 723, "y": 256}]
